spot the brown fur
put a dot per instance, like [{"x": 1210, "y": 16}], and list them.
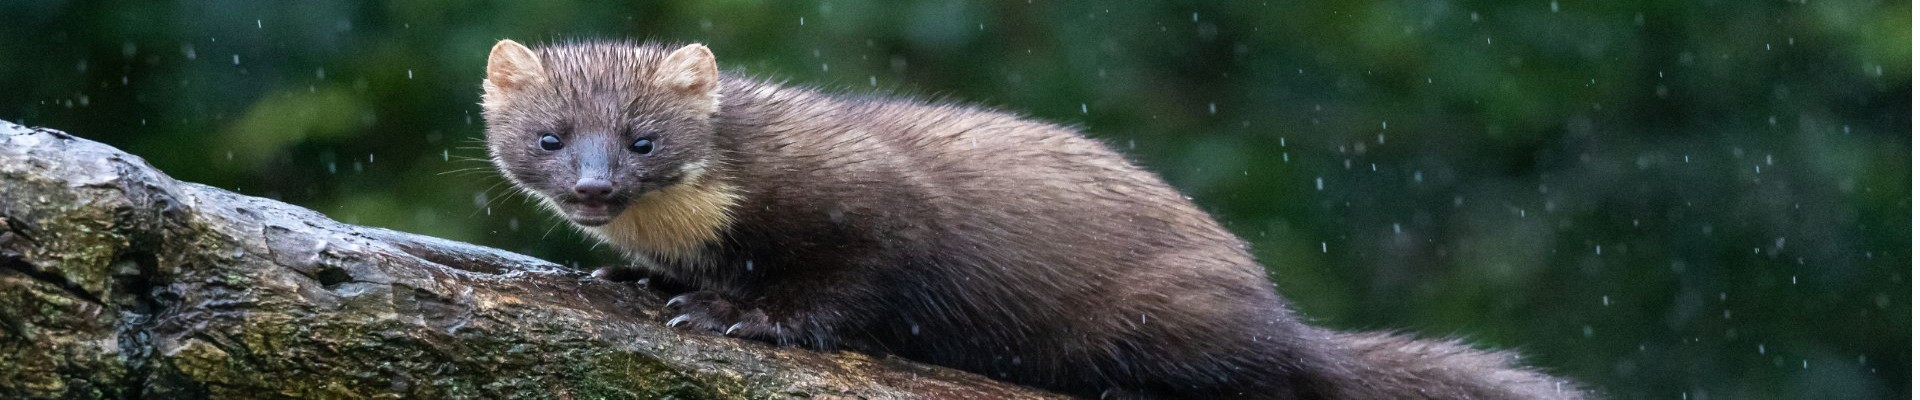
[{"x": 945, "y": 233}]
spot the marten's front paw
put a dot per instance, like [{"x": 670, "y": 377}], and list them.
[
  {"x": 621, "y": 274},
  {"x": 705, "y": 310},
  {"x": 702, "y": 310}
]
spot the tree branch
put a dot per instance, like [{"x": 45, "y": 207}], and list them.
[{"x": 118, "y": 281}]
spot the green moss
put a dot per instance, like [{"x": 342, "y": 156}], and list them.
[
  {"x": 51, "y": 344},
  {"x": 202, "y": 361},
  {"x": 614, "y": 374}
]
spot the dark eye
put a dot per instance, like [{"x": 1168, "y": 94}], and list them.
[
  {"x": 549, "y": 142},
  {"x": 642, "y": 146}
]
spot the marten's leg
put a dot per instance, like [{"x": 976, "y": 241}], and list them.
[
  {"x": 806, "y": 308},
  {"x": 812, "y": 324}
]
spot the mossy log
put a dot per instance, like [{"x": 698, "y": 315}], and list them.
[{"x": 117, "y": 281}]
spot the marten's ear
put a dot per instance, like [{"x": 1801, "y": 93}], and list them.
[
  {"x": 512, "y": 66},
  {"x": 689, "y": 71}
]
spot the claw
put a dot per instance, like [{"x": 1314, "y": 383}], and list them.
[
  {"x": 676, "y": 300},
  {"x": 735, "y": 328},
  {"x": 679, "y": 321}
]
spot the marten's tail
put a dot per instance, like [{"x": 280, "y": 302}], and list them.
[{"x": 1391, "y": 366}]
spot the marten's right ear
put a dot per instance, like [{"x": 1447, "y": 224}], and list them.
[{"x": 512, "y": 66}]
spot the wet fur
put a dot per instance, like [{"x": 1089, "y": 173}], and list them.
[{"x": 969, "y": 238}]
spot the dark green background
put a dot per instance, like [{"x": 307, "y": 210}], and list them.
[{"x": 1665, "y": 199}]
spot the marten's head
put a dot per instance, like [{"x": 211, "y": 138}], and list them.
[{"x": 616, "y": 137}]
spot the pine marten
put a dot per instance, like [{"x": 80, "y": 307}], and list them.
[{"x": 945, "y": 233}]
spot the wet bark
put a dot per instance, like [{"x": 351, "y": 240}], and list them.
[{"x": 117, "y": 281}]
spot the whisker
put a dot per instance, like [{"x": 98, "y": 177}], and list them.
[
  {"x": 488, "y": 192},
  {"x": 464, "y": 170},
  {"x": 556, "y": 225}
]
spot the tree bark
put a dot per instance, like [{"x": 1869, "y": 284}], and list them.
[{"x": 117, "y": 281}]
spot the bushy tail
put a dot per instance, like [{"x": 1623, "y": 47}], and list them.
[{"x": 1391, "y": 366}]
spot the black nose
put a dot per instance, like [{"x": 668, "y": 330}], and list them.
[{"x": 593, "y": 188}]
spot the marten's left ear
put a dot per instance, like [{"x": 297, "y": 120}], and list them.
[{"x": 689, "y": 71}]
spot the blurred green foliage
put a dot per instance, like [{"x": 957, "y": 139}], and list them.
[{"x": 1668, "y": 199}]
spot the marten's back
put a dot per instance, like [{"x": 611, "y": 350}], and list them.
[{"x": 1017, "y": 247}]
